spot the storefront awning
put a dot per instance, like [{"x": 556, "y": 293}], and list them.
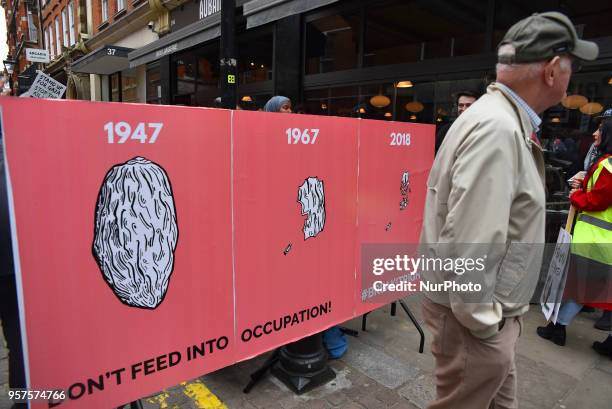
[
  {"x": 106, "y": 60},
  {"x": 193, "y": 34},
  {"x": 260, "y": 12}
]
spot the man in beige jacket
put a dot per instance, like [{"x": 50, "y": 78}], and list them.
[{"x": 486, "y": 199}]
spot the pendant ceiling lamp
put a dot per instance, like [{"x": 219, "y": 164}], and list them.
[
  {"x": 380, "y": 101},
  {"x": 575, "y": 101},
  {"x": 405, "y": 84},
  {"x": 591, "y": 108},
  {"x": 414, "y": 107}
]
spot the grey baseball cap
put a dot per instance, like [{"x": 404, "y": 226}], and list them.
[{"x": 542, "y": 36}]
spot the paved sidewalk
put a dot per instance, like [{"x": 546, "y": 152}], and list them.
[{"x": 383, "y": 369}]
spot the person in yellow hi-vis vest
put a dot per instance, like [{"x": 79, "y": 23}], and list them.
[{"x": 591, "y": 251}]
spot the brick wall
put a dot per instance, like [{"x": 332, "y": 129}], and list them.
[
  {"x": 19, "y": 33},
  {"x": 114, "y": 13},
  {"x": 51, "y": 10}
]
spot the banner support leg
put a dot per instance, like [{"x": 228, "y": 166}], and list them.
[{"x": 416, "y": 324}]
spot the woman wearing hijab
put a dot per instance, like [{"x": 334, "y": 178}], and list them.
[
  {"x": 278, "y": 104},
  {"x": 592, "y": 235}
]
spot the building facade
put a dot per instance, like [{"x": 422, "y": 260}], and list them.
[
  {"x": 64, "y": 31},
  {"x": 22, "y": 28}
]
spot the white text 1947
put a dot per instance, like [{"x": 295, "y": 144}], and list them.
[{"x": 123, "y": 131}]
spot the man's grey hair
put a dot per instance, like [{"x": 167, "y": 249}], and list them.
[{"x": 525, "y": 70}]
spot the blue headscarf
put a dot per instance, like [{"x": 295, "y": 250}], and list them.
[{"x": 275, "y": 103}]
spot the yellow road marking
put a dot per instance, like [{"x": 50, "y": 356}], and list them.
[
  {"x": 202, "y": 396},
  {"x": 160, "y": 400}
]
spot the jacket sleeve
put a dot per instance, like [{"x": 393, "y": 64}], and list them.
[
  {"x": 484, "y": 179},
  {"x": 600, "y": 196}
]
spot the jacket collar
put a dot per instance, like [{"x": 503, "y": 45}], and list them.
[{"x": 523, "y": 116}]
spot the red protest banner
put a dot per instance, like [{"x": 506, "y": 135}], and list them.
[
  {"x": 125, "y": 265},
  {"x": 295, "y": 185},
  {"x": 155, "y": 244},
  {"x": 394, "y": 163}
]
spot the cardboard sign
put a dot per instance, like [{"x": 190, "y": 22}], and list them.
[
  {"x": 150, "y": 249},
  {"x": 552, "y": 293},
  {"x": 46, "y": 87}
]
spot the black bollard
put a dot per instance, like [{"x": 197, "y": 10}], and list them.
[{"x": 302, "y": 365}]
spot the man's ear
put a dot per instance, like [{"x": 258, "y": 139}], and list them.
[{"x": 551, "y": 68}]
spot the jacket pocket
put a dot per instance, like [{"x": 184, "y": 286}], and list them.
[{"x": 512, "y": 269}]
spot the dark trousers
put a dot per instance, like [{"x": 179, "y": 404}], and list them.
[{"x": 9, "y": 314}]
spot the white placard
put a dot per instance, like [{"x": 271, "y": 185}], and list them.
[
  {"x": 552, "y": 293},
  {"x": 37, "y": 55},
  {"x": 45, "y": 87}
]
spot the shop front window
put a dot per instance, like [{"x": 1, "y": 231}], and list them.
[
  {"x": 115, "y": 87},
  {"x": 129, "y": 85},
  {"x": 403, "y": 31},
  {"x": 375, "y": 101},
  {"x": 567, "y": 129},
  {"x": 196, "y": 76},
  {"x": 255, "y": 58},
  {"x": 332, "y": 42},
  {"x": 591, "y": 19},
  {"x": 154, "y": 88}
]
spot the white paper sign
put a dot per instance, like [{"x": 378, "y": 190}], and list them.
[
  {"x": 552, "y": 293},
  {"x": 46, "y": 87},
  {"x": 37, "y": 55}
]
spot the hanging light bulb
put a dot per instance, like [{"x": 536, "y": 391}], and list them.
[{"x": 388, "y": 114}]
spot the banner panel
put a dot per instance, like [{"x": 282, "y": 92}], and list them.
[
  {"x": 295, "y": 191},
  {"x": 394, "y": 163},
  {"x": 123, "y": 222}
]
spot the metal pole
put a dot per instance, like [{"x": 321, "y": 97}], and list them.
[{"x": 228, "y": 54}]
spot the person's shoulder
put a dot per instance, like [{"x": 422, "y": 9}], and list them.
[
  {"x": 488, "y": 118},
  {"x": 494, "y": 108}
]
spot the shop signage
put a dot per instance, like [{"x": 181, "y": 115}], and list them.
[
  {"x": 209, "y": 7},
  {"x": 166, "y": 50},
  {"x": 192, "y": 11},
  {"x": 37, "y": 55},
  {"x": 150, "y": 250}
]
